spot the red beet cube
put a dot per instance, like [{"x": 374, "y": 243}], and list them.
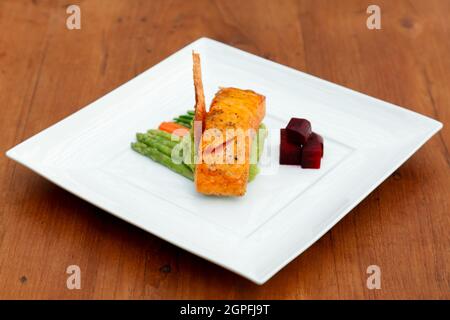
[
  {"x": 289, "y": 152},
  {"x": 316, "y": 139},
  {"x": 298, "y": 130},
  {"x": 312, "y": 152}
]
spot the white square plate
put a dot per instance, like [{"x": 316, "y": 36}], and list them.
[{"x": 286, "y": 209}]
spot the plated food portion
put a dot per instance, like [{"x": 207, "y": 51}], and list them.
[
  {"x": 283, "y": 211},
  {"x": 219, "y": 149}
]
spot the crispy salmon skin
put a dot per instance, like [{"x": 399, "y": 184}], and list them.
[
  {"x": 200, "y": 106},
  {"x": 235, "y": 109}
]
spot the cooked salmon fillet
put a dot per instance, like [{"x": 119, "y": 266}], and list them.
[{"x": 231, "y": 108}]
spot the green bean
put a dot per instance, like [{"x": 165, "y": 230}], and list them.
[
  {"x": 186, "y": 123},
  {"x": 186, "y": 117}
]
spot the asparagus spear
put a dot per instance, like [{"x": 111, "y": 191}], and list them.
[
  {"x": 161, "y": 140},
  {"x": 164, "y": 134},
  {"x": 163, "y": 145},
  {"x": 153, "y": 143},
  {"x": 163, "y": 159}
]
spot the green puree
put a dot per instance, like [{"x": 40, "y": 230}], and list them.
[{"x": 257, "y": 149}]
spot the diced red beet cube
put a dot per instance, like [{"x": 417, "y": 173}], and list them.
[
  {"x": 312, "y": 152},
  {"x": 315, "y": 138},
  {"x": 289, "y": 152},
  {"x": 311, "y": 158},
  {"x": 298, "y": 130}
]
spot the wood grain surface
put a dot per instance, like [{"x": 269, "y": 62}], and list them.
[{"x": 48, "y": 72}]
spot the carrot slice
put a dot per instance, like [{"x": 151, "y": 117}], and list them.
[{"x": 172, "y": 127}]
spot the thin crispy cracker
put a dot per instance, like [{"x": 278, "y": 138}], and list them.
[{"x": 200, "y": 107}]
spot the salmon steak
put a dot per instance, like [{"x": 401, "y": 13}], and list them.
[{"x": 226, "y": 138}]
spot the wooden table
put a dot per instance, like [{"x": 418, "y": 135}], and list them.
[{"x": 48, "y": 72}]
